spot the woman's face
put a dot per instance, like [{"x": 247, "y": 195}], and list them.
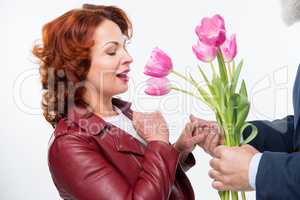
[{"x": 109, "y": 61}]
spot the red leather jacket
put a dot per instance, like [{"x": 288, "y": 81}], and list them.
[{"x": 90, "y": 159}]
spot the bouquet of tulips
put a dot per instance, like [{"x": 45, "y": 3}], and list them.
[{"x": 222, "y": 94}]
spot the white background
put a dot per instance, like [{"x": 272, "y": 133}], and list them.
[{"x": 270, "y": 50}]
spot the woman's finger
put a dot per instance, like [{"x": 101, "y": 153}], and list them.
[
  {"x": 207, "y": 142},
  {"x": 214, "y": 143},
  {"x": 201, "y": 122},
  {"x": 197, "y": 139}
]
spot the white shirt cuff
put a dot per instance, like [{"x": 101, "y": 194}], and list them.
[{"x": 253, "y": 167}]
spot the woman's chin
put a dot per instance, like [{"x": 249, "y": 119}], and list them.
[
  {"x": 122, "y": 89},
  {"x": 119, "y": 87}
]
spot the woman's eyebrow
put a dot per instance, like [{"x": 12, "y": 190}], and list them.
[{"x": 114, "y": 42}]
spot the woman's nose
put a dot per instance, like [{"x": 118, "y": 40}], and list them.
[{"x": 127, "y": 59}]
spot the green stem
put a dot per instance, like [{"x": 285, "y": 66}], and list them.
[
  {"x": 227, "y": 195},
  {"x": 228, "y": 138},
  {"x": 226, "y": 132},
  {"x": 187, "y": 92},
  {"x": 192, "y": 82},
  {"x": 221, "y": 194},
  {"x": 234, "y": 195},
  {"x": 213, "y": 69},
  {"x": 233, "y": 66},
  {"x": 230, "y": 72},
  {"x": 243, "y": 195},
  {"x": 183, "y": 77}
]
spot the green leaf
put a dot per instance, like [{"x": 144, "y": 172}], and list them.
[
  {"x": 241, "y": 109},
  {"x": 221, "y": 99},
  {"x": 235, "y": 77},
  {"x": 222, "y": 67},
  {"x": 205, "y": 95},
  {"x": 234, "y": 101},
  {"x": 203, "y": 75},
  {"x": 242, "y": 113},
  {"x": 243, "y": 90},
  {"x": 229, "y": 115},
  {"x": 217, "y": 87},
  {"x": 193, "y": 80},
  {"x": 252, "y": 135},
  {"x": 206, "y": 80}
]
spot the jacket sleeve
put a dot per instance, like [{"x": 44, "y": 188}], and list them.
[
  {"x": 274, "y": 135},
  {"x": 80, "y": 168},
  {"x": 188, "y": 162},
  {"x": 278, "y": 176}
]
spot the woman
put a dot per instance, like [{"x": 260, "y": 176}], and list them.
[{"x": 100, "y": 148}]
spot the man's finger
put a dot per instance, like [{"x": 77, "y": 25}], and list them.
[
  {"x": 218, "y": 151},
  {"x": 219, "y": 186},
  {"x": 215, "y": 164},
  {"x": 214, "y": 174}
]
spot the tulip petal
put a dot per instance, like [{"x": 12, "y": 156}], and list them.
[
  {"x": 211, "y": 31},
  {"x": 204, "y": 52},
  {"x": 157, "y": 86},
  {"x": 159, "y": 64},
  {"x": 229, "y": 49}
]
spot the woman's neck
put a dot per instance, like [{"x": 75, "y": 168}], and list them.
[{"x": 101, "y": 106}]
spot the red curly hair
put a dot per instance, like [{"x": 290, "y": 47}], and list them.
[{"x": 64, "y": 55}]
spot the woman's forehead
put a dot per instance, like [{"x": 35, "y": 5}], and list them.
[{"x": 107, "y": 32}]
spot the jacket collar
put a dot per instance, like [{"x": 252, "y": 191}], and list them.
[{"x": 83, "y": 117}]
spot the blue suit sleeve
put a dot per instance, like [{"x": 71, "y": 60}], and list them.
[
  {"x": 276, "y": 136},
  {"x": 278, "y": 176}
]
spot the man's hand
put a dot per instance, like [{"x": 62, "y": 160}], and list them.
[{"x": 231, "y": 168}]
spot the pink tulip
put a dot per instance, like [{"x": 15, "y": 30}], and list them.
[
  {"x": 157, "y": 86},
  {"x": 204, "y": 52},
  {"x": 229, "y": 49},
  {"x": 159, "y": 64},
  {"x": 211, "y": 31}
]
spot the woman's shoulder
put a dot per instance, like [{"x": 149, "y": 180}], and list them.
[
  {"x": 66, "y": 128},
  {"x": 66, "y": 133},
  {"x": 68, "y": 147}
]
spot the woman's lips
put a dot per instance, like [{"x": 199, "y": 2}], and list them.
[{"x": 123, "y": 77}]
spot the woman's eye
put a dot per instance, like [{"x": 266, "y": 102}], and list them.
[{"x": 111, "y": 53}]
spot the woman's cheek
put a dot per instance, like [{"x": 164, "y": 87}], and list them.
[{"x": 109, "y": 80}]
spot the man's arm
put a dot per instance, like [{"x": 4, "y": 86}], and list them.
[
  {"x": 276, "y": 136},
  {"x": 278, "y": 176}
]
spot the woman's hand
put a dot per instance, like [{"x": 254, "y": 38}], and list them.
[
  {"x": 189, "y": 138},
  {"x": 211, "y": 134},
  {"x": 151, "y": 126}
]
